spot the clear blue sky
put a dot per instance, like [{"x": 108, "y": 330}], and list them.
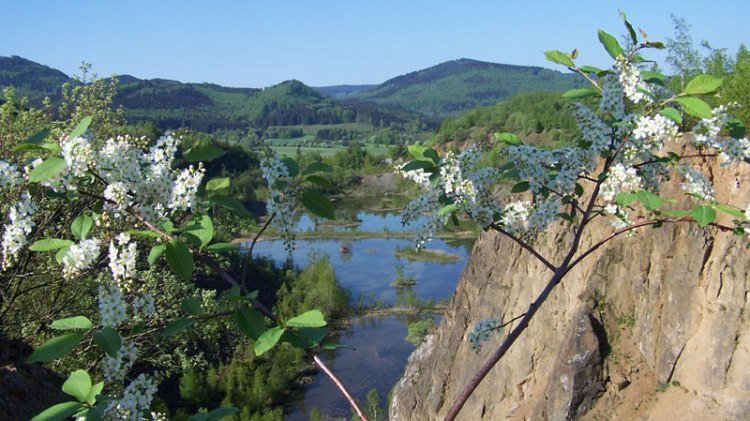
[{"x": 321, "y": 42}]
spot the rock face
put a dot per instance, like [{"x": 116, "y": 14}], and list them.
[{"x": 650, "y": 326}]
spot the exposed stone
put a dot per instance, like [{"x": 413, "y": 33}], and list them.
[{"x": 673, "y": 303}]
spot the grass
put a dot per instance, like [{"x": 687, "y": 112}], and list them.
[
  {"x": 417, "y": 331},
  {"x": 426, "y": 255}
]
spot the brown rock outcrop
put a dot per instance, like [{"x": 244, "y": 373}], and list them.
[{"x": 650, "y": 326}]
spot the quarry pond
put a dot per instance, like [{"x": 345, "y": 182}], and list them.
[{"x": 375, "y": 347}]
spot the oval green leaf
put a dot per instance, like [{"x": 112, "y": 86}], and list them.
[
  {"x": 156, "y": 252},
  {"x": 108, "y": 340},
  {"x": 218, "y": 184},
  {"x": 520, "y": 187},
  {"x": 317, "y": 166},
  {"x": 180, "y": 259},
  {"x": 176, "y": 327},
  {"x": 250, "y": 322},
  {"x": 312, "y": 318},
  {"x": 81, "y": 226},
  {"x": 51, "y": 167},
  {"x": 650, "y": 201},
  {"x": 317, "y": 203},
  {"x": 580, "y": 93},
  {"x": 703, "y": 215},
  {"x": 509, "y": 139},
  {"x": 559, "y": 57},
  {"x": 703, "y": 84},
  {"x": 81, "y": 127},
  {"x": 696, "y": 107},
  {"x": 191, "y": 306},
  {"x": 610, "y": 44},
  {"x": 72, "y": 323},
  {"x": 55, "y": 348},
  {"x": 267, "y": 340},
  {"x": 78, "y": 385},
  {"x": 672, "y": 114},
  {"x": 59, "y": 412},
  {"x": 291, "y": 166},
  {"x": 49, "y": 244}
]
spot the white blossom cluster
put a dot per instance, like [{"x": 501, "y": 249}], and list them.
[
  {"x": 632, "y": 82},
  {"x": 425, "y": 204},
  {"x": 651, "y": 133},
  {"x": 122, "y": 261},
  {"x": 9, "y": 175},
  {"x": 78, "y": 154},
  {"x": 557, "y": 170},
  {"x": 419, "y": 176},
  {"x": 135, "y": 402},
  {"x": 593, "y": 130},
  {"x": 80, "y": 257},
  {"x": 19, "y": 226},
  {"x": 469, "y": 185},
  {"x": 515, "y": 216},
  {"x": 282, "y": 200},
  {"x": 612, "y": 98},
  {"x": 695, "y": 183},
  {"x": 113, "y": 309},
  {"x": 116, "y": 368},
  {"x": 144, "y": 306},
  {"x": 621, "y": 178},
  {"x": 706, "y": 131}
]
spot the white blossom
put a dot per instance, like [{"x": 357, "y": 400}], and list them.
[
  {"x": 136, "y": 401},
  {"x": 112, "y": 306},
  {"x": 282, "y": 200},
  {"x": 695, "y": 183},
  {"x": 122, "y": 261},
  {"x": 80, "y": 257},
  {"x": 9, "y": 175},
  {"x": 16, "y": 231},
  {"x": 116, "y": 368},
  {"x": 619, "y": 179},
  {"x": 632, "y": 83}
]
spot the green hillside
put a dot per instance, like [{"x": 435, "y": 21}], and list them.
[
  {"x": 459, "y": 85},
  {"x": 30, "y": 79},
  {"x": 343, "y": 91}
]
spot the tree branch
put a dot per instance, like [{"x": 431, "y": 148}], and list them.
[{"x": 525, "y": 245}]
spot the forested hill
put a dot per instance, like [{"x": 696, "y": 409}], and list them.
[
  {"x": 343, "y": 91},
  {"x": 32, "y": 80},
  {"x": 207, "y": 107},
  {"x": 455, "y": 86}
]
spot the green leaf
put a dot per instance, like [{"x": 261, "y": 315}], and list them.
[
  {"x": 650, "y": 201},
  {"x": 656, "y": 44},
  {"x": 180, "y": 259},
  {"x": 72, "y": 323},
  {"x": 580, "y": 93},
  {"x": 221, "y": 413},
  {"x": 204, "y": 230},
  {"x": 176, "y": 327},
  {"x": 80, "y": 128},
  {"x": 579, "y": 190},
  {"x": 447, "y": 209},
  {"x": 50, "y": 168},
  {"x": 250, "y": 322},
  {"x": 218, "y": 184},
  {"x": 203, "y": 151},
  {"x": 625, "y": 199},
  {"x": 191, "y": 306},
  {"x": 703, "y": 215},
  {"x": 306, "y": 337},
  {"x": 156, "y": 252},
  {"x": 653, "y": 77},
  {"x": 55, "y": 348},
  {"x": 317, "y": 166},
  {"x": 509, "y": 139},
  {"x": 291, "y": 166},
  {"x": 267, "y": 340},
  {"x": 631, "y": 31},
  {"x": 78, "y": 385},
  {"x": 144, "y": 233},
  {"x": 676, "y": 213},
  {"x": 33, "y": 141},
  {"x": 520, "y": 187},
  {"x": 696, "y": 107},
  {"x": 230, "y": 203},
  {"x": 321, "y": 181},
  {"x": 61, "y": 254},
  {"x": 672, "y": 114},
  {"x": 610, "y": 44},
  {"x": 96, "y": 390},
  {"x": 417, "y": 164},
  {"x": 730, "y": 210},
  {"x": 703, "y": 84},
  {"x": 108, "y": 340},
  {"x": 81, "y": 226},
  {"x": 317, "y": 203},
  {"x": 432, "y": 155},
  {"x": 312, "y": 318},
  {"x": 736, "y": 128},
  {"x": 417, "y": 151},
  {"x": 222, "y": 247},
  {"x": 559, "y": 57},
  {"x": 59, "y": 412},
  {"x": 590, "y": 69},
  {"x": 49, "y": 244}
]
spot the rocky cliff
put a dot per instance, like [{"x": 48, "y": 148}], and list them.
[{"x": 650, "y": 326}]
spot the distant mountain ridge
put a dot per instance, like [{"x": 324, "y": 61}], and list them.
[
  {"x": 436, "y": 92},
  {"x": 455, "y": 86}
]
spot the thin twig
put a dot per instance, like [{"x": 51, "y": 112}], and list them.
[
  {"x": 525, "y": 245},
  {"x": 249, "y": 254},
  {"x": 340, "y": 385}
]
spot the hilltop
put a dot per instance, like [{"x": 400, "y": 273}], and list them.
[{"x": 459, "y": 85}]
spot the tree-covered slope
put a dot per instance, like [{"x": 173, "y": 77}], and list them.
[
  {"x": 32, "y": 80},
  {"x": 343, "y": 91},
  {"x": 459, "y": 85}
]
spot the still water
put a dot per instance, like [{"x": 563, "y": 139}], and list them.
[{"x": 378, "y": 350}]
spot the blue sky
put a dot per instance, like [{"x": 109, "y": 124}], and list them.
[{"x": 260, "y": 43}]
